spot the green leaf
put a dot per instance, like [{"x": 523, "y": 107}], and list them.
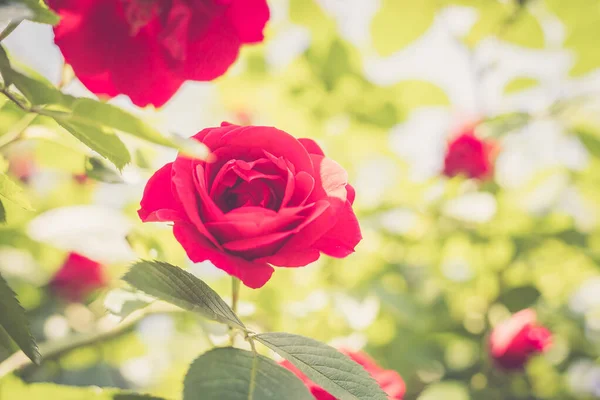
[
  {"x": 101, "y": 139},
  {"x": 41, "y": 12},
  {"x": 581, "y": 20},
  {"x": 590, "y": 140},
  {"x": 174, "y": 285},
  {"x": 445, "y": 390},
  {"x": 518, "y": 298},
  {"x": 96, "y": 169},
  {"x": 123, "y": 302},
  {"x": 13, "y": 192},
  {"x": 37, "y": 91},
  {"x": 310, "y": 14},
  {"x": 6, "y": 342},
  {"x": 2, "y": 213},
  {"x": 327, "y": 367},
  {"x": 14, "y": 322},
  {"x": 12, "y": 388},
  {"x": 514, "y": 25},
  {"x": 398, "y": 23},
  {"x": 105, "y": 114},
  {"x": 235, "y": 374},
  {"x": 520, "y": 83}
]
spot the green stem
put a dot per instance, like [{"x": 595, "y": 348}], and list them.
[
  {"x": 56, "y": 349},
  {"x": 16, "y": 133},
  {"x": 235, "y": 296},
  {"x": 8, "y": 30},
  {"x": 254, "y": 370}
]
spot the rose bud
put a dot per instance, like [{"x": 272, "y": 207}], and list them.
[
  {"x": 518, "y": 338},
  {"x": 77, "y": 278},
  {"x": 470, "y": 156},
  {"x": 147, "y": 48},
  {"x": 263, "y": 199},
  {"x": 390, "y": 381}
]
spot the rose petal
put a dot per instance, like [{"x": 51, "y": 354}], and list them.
[
  {"x": 253, "y": 274},
  {"x": 158, "y": 202},
  {"x": 311, "y": 146},
  {"x": 343, "y": 237},
  {"x": 268, "y": 139},
  {"x": 293, "y": 258},
  {"x": 503, "y": 334},
  {"x": 185, "y": 188},
  {"x": 248, "y": 222},
  {"x": 249, "y": 18},
  {"x": 142, "y": 71},
  {"x": 212, "y": 50},
  {"x": 303, "y": 187},
  {"x": 208, "y": 209},
  {"x": 78, "y": 31},
  {"x": 351, "y": 193}
]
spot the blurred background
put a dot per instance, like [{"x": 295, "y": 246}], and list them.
[{"x": 383, "y": 86}]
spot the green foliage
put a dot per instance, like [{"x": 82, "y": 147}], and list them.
[
  {"x": 12, "y": 388},
  {"x": 98, "y": 113},
  {"x": 34, "y": 10},
  {"x": 14, "y": 322},
  {"x": 323, "y": 364},
  {"x": 96, "y": 169},
  {"x": 519, "y": 84},
  {"x": 234, "y": 374},
  {"x": 400, "y": 22},
  {"x": 9, "y": 190},
  {"x": 174, "y": 285},
  {"x": 506, "y": 22},
  {"x": 582, "y": 23}
]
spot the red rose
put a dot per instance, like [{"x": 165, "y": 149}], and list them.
[
  {"x": 468, "y": 155},
  {"x": 515, "y": 340},
  {"x": 390, "y": 381},
  {"x": 264, "y": 198},
  {"x": 77, "y": 278},
  {"x": 147, "y": 48}
]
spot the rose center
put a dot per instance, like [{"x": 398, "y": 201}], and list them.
[
  {"x": 249, "y": 184},
  {"x": 140, "y": 13}
]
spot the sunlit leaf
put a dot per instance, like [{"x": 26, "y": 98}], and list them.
[
  {"x": 235, "y": 374},
  {"x": 581, "y": 20},
  {"x": 13, "y": 192},
  {"x": 96, "y": 169},
  {"x": 330, "y": 369},
  {"x": 446, "y": 391},
  {"x": 519, "y": 298},
  {"x": 102, "y": 140},
  {"x": 520, "y": 83},
  {"x": 12, "y": 388},
  {"x": 108, "y": 115},
  {"x": 399, "y": 23},
  {"x": 174, "y": 285},
  {"x": 14, "y": 322},
  {"x": 505, "y": 22},
  {"x": 2, "y": 213}
]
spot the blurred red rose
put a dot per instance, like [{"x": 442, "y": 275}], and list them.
[
  {"x": 390, "y": 381},
  {"x": 470, "y": 156},
  {"x": 515, "y": 340},
  {"x": 265, "y": 198},
  {"x": 147, "y": 48},
  {"x": 77, "y": 278}
]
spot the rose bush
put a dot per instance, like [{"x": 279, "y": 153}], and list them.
[
  {"x": 469, "y": 155},
  {"x": 263, "y": 198},
  {"x": 77, "y": 278},
  {"x": 518, "y": 338},
  {"x": 147, "y": 49},
  {"x": 390, "y": 381}
]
